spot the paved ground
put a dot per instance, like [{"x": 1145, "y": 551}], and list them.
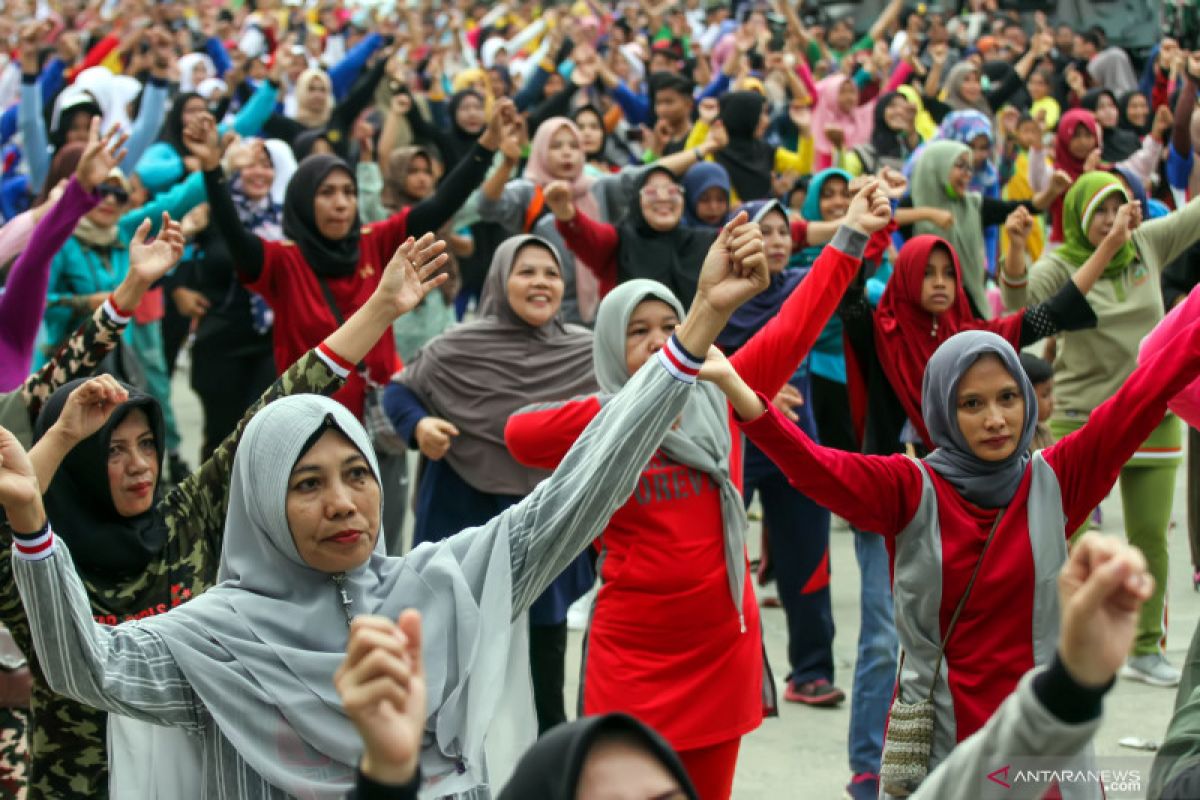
[{"x": 803, "y": 752}]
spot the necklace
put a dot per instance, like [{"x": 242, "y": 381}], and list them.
[{"x": 339, "y": 582}]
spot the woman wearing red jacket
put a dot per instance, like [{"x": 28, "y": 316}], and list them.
[{"x": 675, "y": 637}]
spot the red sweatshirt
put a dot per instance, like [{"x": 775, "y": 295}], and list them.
[
  {"x": 303, "y": 317},
  {"x": 666, "y": 643},
  {"x": 992, "y": 644}
]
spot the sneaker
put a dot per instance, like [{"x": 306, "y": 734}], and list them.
[
  {"x": 863, "y": 786},
  {"x": 1152, "y": 669},
  {"x": 814, "y": 693}
]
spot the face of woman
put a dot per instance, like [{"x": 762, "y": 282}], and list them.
[
  {"x": 620, "y": 770},
  {"x": 1027, "y": 134},
  {"x": 649, "y": 327},
  {"x": 1038, "y": 86},
  {"x": 938, "y": 290},
  {"x": 80, "y": 128},
  {"x": 981, "y": 151},
  {"x": 333, "y": 505},
  {"x": 662, "y": 202},
  {"x": 970, "y": 88},
  {"x": 554, "y": 84},
  {"x": 712, "y": 205},
  {"x": 1106, "y": 112},
  {"x": 335, "y": 205},
  {"x": 591, "y": 132},
  {"x": 496, "y": 81},
  {"x": 835, "y": 198},
  {"x": 132, "y": 465},
  {"x": 777, "y": 241},
  {"x": 960, "y": 174},
  {"x": 469, "y": 115},
  {"x": 847, "y": 96},
  {"x": 199, "y": 72},
  {"x": 192, "y": 110},
  {"x": 138, "y": 193},
  {"x": 258, "y": 174},
  {"x": 114, "y": 201},
  {"x": 898, "y": 114},
  {"x": 535, "y": 286},
  {"x": 418, "y": 181},
  {"x": 1103, "y": 219},
  {"x": 1082, "y": 142},
  {"x": 566, "y": 155},
  {"x": 991, "y": 409},
  {"x": 1138, "y": 110},
  {"x": 316, "y": 95}
]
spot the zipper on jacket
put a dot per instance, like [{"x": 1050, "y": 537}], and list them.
[{"x": 339, "y": 582}]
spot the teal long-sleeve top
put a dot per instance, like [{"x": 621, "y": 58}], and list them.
[{"x": 162, "y": 165}]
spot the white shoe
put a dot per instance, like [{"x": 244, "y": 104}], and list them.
[{"x": 1152, "y": 669}]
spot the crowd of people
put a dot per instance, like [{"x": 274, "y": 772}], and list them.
[{"x": 564, "y": 289}]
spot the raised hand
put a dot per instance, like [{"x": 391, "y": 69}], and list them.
[
  {"x": 735, "y": 268},
  {"x": 716, "y": 139},
  {"x": 870, "y": 210},
  {"x": 88, "y": 408},
  {"x": 200, "y": 138},
  {"x": 100, "y": 157},
  {"x": 150, "y": 261},
  {"x": 559, "y": 200},
  {"x": 20, "y": 495},
  {"x": 893, "y": 182},
  {"x": 410, "y": 275},
  {"x": 788, "y": 400},
  {"x": 1092, "y": 163},
  {"x": 942, "y": 217},
  {"x": 1101, "y": 590},
  {"x": 434, "y": 436},
  {"x": 1163, "y": 119},
  {"x": 502, "y": 117},
  {"x": 1019, "y": 225},
  {"x": 709, "y": 110},
  {"x": 836, "y": 136},
  {"x": 1193, "y": 67},
  {"x": 1129, "y": 217},
  {"x": 382, "y": 686}
]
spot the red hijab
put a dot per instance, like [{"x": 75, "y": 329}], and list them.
[
  {"x": 906, "y": 335},
  {"x": 1063, "y": 159}
]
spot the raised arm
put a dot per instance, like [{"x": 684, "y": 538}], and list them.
[
  {"x": 1088, "y": 461},
  {"x": 565, "y": 512},
  {"x": 594, "y": 243},
  {"x": 773, "y": 354}
]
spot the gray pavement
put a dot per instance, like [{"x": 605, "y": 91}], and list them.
[{"x": 802, "y": 753}]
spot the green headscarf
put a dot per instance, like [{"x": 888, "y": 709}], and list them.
[
  {"x": 1079, "y": 206},
  {"x": 931, "y": 189}
]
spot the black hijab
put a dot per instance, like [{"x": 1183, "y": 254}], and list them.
[
  {"x": 1127, "y": 124},
  {"x": 325, "y": 257},
  {"x": 748, "y": 160},
  {"x": 172, "y": 129},
  {"x": 1119, "y": 144},
  {"x": 550, "y": 770},
  {"x": 79, "y": 504},
  {"x": 673, "y": 258},
  {"x": 460, "y": 138},
  {"x": 887, "y": 142},
  {"x": 588, "y": 108}
]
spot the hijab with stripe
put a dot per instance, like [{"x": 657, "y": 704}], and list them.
[
  {"x": 1079, "y": 207},
  {"x": 702, "y": 438},
  {"x": 469, "y": 376}
]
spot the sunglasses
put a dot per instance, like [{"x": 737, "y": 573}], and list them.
[{"x": 117, "y": 193}]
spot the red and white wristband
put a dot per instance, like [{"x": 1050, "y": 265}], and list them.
[
  {"x": 34, "y": 546},
  {"x": 338, "y": 365},
  {"x": 115, "y": 312},
  {"x": 682, "y": 365}
]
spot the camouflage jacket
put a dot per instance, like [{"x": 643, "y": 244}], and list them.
[{"x": 67, "y": 740}]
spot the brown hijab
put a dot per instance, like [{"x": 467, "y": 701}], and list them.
[
  {"x": 394, "y": 198},
  {"x": 477, "y": 374}
]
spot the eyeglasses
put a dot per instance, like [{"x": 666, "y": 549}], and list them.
[
  {"x": 964, "y": 166},
  {"x": 117, "y": 193},
  {"x": 661, "y": 193}
]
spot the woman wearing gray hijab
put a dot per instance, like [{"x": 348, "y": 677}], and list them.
[
  {"x": 979, "y": 524},
  {"x": 248, "y": 666}
]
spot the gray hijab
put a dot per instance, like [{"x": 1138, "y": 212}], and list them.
[
  {"x": 988, "y": 484},
  {"x": 477, "y": 374},
  {"x": 954, "y": 81},
  {"x": 701, "y": 440},
  {"x": 260, "y": 649}
]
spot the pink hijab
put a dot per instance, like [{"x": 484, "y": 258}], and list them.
[
  {"x": 856, "y": 125},
  {"x": 538, "y": 172}
]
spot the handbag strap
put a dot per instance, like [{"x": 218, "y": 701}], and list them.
[{"x": 962, "y": 602}]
